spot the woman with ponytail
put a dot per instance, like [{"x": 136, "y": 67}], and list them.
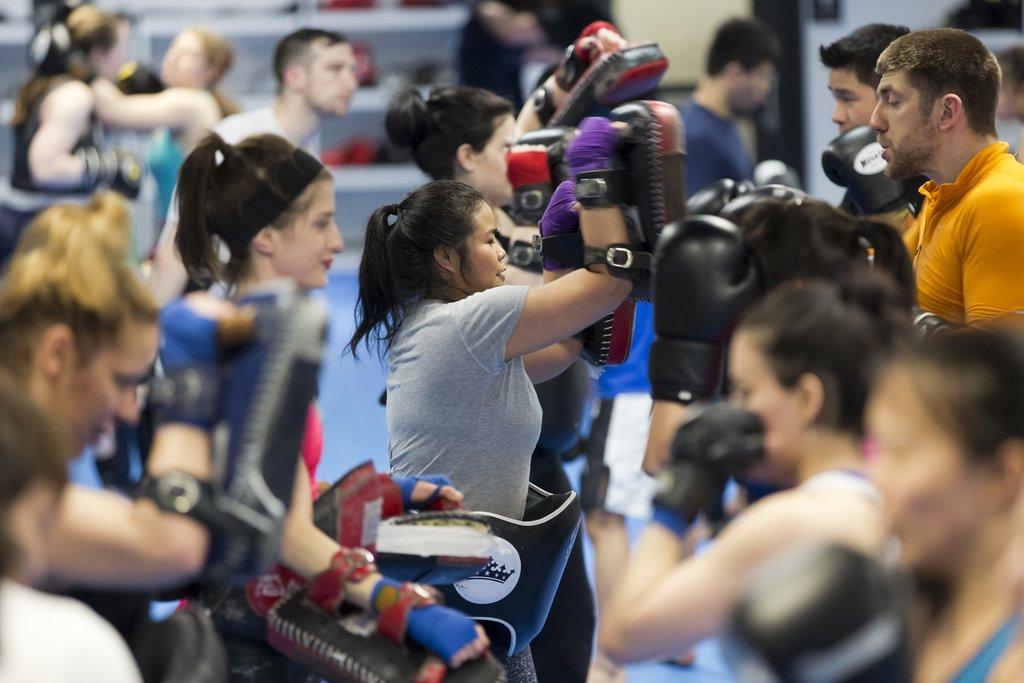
[
  {"x": 248, "y": 214},
  {"x": 465, "y": 134},
  {"x": 801, "y": 363}
]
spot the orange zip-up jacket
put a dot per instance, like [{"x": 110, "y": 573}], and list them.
[{"x": 968, "y": 240}]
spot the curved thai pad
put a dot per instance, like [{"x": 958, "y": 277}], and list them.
[
  {"x": 617, "y": 77},
  {"x": 348, "y": 648},
  {"x": 516, "y": 588}
]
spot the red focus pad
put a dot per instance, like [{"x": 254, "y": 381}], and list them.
[
  {"x": 391, "y": 497},
  {"x": 591, "y": 29},
  {"x": 393, "y": 607},
  {"x": 355, "y": 505},
  {"x": 266, "y": 590}
]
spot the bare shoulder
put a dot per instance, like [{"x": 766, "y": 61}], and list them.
[
  {"x": 69, "y": 96},
  {"x": 795, "y": 517}
]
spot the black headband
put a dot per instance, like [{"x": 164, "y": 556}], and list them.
[{"x": 291, "y": 177}]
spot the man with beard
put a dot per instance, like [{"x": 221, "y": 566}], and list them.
[
  {"x": 936, "y": 117},
  {"x": 739, "y": 72}
]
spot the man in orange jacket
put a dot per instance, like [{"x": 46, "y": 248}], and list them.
[{"x": 936, "y": 117}]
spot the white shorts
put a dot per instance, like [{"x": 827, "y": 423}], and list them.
[{"x": 630, "y": 491}]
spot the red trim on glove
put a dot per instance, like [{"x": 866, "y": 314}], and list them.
[
  {"x": 528, "y": 167},
  {"x": 591, "y": 29},
  {"x": 327, "y": 589},
  {"x": 266, "y": 590}
]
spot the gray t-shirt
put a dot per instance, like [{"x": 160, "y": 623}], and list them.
[{"x": 456, "y": 407}]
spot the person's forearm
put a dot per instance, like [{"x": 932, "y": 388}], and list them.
[
  {"x": 58, "y": 172},
  {"x": 102, "y": 539},
  {"x": 621, "y": 636},
  {"x": 666, "y": 418},
  {"x": 168, "y": 278}
]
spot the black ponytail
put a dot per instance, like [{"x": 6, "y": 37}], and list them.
[
  {"x": 435, "y": 128},
  {"x": 195, "y": 185},
  {"x": 792, "y": 241},
  {"x": 397, "y": 267},
  {"x": 840, "y": 332}
]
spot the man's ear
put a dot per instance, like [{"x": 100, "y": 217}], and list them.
[
  {"x": 446, "y": 259},
  {"x": 265, "y": 242},
  {"x": 951, "y": 111},
  {"x": 294, "y": 77},
  {"x": 466, "y": 158},
  {"x": 56, "y": 352}
]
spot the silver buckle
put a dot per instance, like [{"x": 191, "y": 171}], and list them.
[
  {"x": 591, "y": 188},
  {"x": 612, "y": 252},
  {"x": 532, "y": 200}
]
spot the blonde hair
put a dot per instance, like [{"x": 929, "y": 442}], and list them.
[
  {"x": 220, "y": 55},
  {"x": 71, "y": 267},
  {"x": 90, "y": 29}
]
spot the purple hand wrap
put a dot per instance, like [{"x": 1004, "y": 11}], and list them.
[
  {"x": 593, "y": 148},
  {"x": 559, "y": 218}
]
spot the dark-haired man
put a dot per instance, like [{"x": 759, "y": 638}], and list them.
[
  {"x": 316, "y": 80},
  {"x": 936, "y": 117},
  {"x": 739, "y": 72},
  {"x": 1011, "y": 91},
  {"x": 851, "y": 72}
]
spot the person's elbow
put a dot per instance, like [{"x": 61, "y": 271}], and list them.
[{"x": 613, "y": 639}]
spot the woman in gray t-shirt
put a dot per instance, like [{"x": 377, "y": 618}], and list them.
[{"x": 463, "y": 351}]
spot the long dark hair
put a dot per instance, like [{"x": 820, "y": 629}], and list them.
[
  {"x": 813, "y": 239},
  {"x": 207, "y": 188},
  {"x": 840, "y": 332},
  {"x": 398, "y": 267},
  {"x": 435, "y": 128}
]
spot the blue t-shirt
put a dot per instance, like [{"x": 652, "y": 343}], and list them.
[
  {"x": 714, "y": 149},
  {"x": 631, "y": 376}
]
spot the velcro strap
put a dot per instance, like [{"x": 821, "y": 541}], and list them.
[
  {"x": 188, "y": 395},
  {"x": 393, "y": 607},
  {"x": 622, "y": 260},
  {"x": 327, "y": 589},
  {"x": 605, "y": 187},
  {"x": 565, "y": 249},
  {"x": 683, "y": 370}
]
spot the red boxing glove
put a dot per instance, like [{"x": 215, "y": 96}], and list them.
[
  {"x": 580, "y": 55},
  {"x": 528, "y": 165}
]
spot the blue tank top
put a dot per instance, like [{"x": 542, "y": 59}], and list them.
[
  {"x": 978, "y": 669},
  {"x": 165, "y": 159}
]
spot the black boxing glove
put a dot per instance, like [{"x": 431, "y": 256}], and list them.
[
  {"x": 854, "y": 161},
  {"x": 704, "y": 279},
  {"x": 825, "y": 614},
  {"x": 721, "y": 442},
  {"x": 776, "y": 172},
  {"x": 782, "y": 193},
  {"x": 116, "y": 169},
  {"x": 712, "y": 199},
  {"x": 137, "y": 79}
]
